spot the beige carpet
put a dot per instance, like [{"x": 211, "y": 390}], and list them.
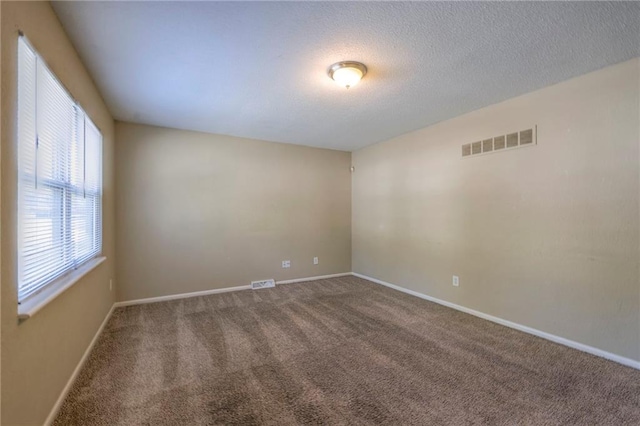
[{"x": 337, "y": 351}]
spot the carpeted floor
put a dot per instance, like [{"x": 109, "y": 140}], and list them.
[{"x": 337, "y": 351}]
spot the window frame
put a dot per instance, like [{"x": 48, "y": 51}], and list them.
[{"x": 72, "y": 266}]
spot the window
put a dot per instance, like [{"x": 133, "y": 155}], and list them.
[{"x": 59, "y": 178}]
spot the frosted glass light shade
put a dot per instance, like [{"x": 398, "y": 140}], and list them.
[{"x": 347, "y": 74}]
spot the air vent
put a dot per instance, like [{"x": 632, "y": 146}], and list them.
[
  {"x": 476, "y": 148},
  {"x": 255, "y": 285},
  {"x": 512, "y": 140},
  {"x": 526, "y": 137},
  {"x": 504, "y": 142},
  {"x": 487, "y": 145}
]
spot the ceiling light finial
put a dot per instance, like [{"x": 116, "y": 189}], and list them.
[{"x": 347, "y": 73}]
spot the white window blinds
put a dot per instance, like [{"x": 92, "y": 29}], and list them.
[{"x": 59, "y": 178}]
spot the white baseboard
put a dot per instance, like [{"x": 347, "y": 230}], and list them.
[
  {"x": 557, "y": 339},
  {"x": 320, "y": 277},
  {"x": 219, "y": 290},
  {"x": 181, "y": 295},
  {"x": 65, "y": 391}
]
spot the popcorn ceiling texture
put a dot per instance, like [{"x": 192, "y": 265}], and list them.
[
  {"x": 342, "y": 351},
  {"x": 258, "y": 70}
]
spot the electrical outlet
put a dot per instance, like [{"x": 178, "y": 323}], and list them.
[
  {"x": 315, "y": 260},
  {"x": 286, "y": 264},
  {"x": 456, "y": 281},
  {"x": 111, "y": 285}
]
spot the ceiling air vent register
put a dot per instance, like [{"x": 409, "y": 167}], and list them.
[{"x": 506, "y": 142}]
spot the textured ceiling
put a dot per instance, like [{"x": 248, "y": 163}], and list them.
[{"x": 258, "y": 69}]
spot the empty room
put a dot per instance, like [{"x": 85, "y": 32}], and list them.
[{"x": 328, "y": 213}]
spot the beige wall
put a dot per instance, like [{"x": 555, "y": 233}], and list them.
[
  {"x": 198, "y": 211},
  {"x": 545, "y": 236},
  {"x": 40, "y": 354}
]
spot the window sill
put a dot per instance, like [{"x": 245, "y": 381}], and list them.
[{"x": 32, "y": 304}]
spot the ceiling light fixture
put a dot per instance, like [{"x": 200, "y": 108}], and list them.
[{"x": 347, "y": 73}]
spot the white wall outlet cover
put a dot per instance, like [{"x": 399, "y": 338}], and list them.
[
  {"x": 315, "y": 260},
  {"x": 286, "y": 263},
  {"x": 456, "y": 281}
]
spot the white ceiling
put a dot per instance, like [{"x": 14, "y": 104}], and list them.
[{"x": 258, "y": 70}]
